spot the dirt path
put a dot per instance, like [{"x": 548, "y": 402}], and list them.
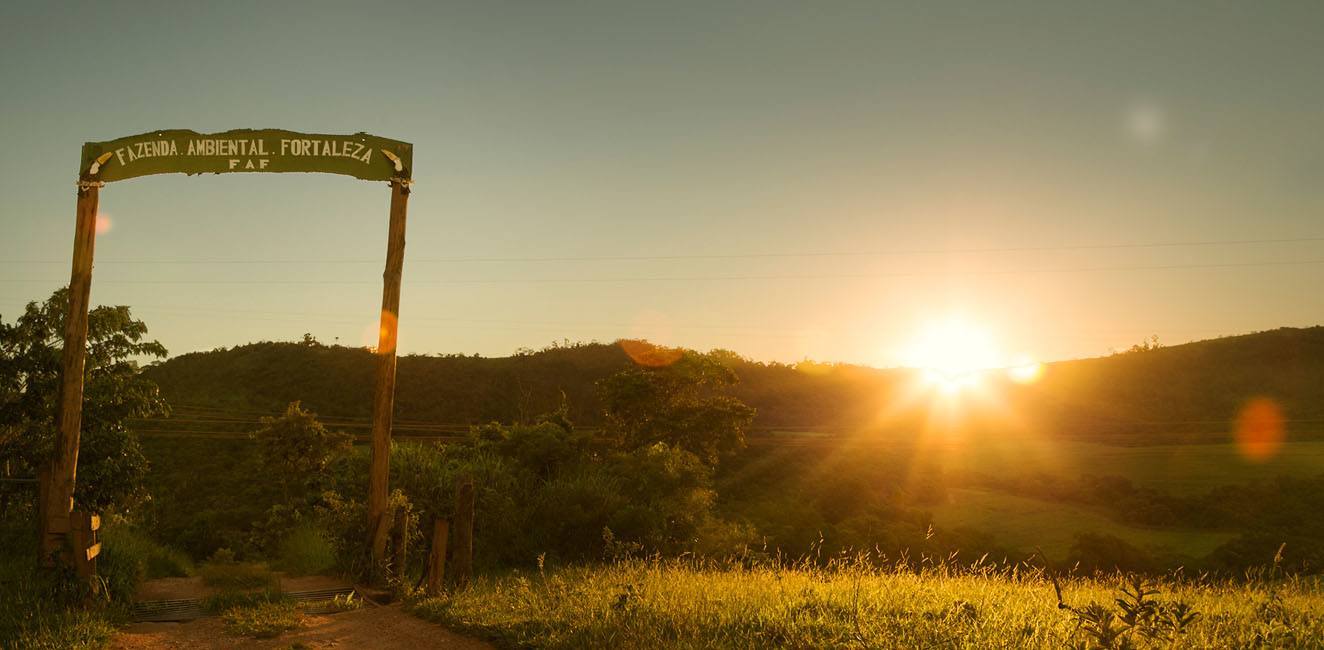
[
  {"x": 193, "y": 587},
  {"x": 370, "y": 628}
]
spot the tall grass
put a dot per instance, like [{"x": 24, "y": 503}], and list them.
[
  {"x": 55, "y": 609},
  {"x": 306, "y": 550},
  {"x": 137, "y": 555},
  {"x": 661, "y": 603}
]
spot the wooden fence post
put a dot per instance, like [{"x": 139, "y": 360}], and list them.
[
  {"x": 437, "y": 556},
  {"x": 400, "y": 544},
  {"x": 58, "y": 485},
  {"x": 384, "y": 399},
  {"x": 463, "y": 557}
]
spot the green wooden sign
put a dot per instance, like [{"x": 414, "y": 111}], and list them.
[{"x": 246, "y": 150}]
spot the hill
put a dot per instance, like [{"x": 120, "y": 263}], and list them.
[{"x": 1190, "y": 391}]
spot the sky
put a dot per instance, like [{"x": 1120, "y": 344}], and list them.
[{"x": 785, "y": 180}]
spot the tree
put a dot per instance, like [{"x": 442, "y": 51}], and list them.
[
  {"x": 111, "y": 465},
  {"x": 295, "y": 448},
  {"x": 682, "y": 404}
]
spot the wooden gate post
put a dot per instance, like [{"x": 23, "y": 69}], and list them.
[
  {"x": 58, "y": 491},
  {"x": 384, "y": 399},
  {"x": 86, "y": 545}
]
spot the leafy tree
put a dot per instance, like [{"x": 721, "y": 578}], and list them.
[
  {"x": 111, "y": 464},
  {"x": 295, "y": 448},
  {"x": 682, "y": 404}
]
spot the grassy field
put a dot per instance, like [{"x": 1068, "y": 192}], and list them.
[
  {"x": 672, "y": 604},
  {"x": 1022, "y": 523},
  {"x": 1178, "y": 469}
]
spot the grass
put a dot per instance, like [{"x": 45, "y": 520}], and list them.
[
  {"x": 1178, "y": 469},
  {"x": 154, "y": 560},
  {"x": 1022, "y": 523},
  {"x": 42, "y": 610},
  {"x": 264, "y": 620},
  {"x": 263, "y": 614},
  {"x": 221, "y": 602},
  {"x": 678, "y": 604}
]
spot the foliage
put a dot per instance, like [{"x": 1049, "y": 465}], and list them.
[
  {"x": 1137, "y": 620},
  {"x": 682, "y": 404},
  {"x": 111, "y": 462},
  {"x": 295, "y": 448},
  {"x": 48, "y": 610},
  {"x": 143, "y": 556},
  {"x": 346, "y": 524},
  {"x": 306, "y": 551},
  {"x": 200, "y": 502}
]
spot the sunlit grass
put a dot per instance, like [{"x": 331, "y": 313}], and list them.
[{"x": 679, "y": 604}]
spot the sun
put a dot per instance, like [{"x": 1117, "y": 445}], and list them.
[{"x": 953, "y": 354}]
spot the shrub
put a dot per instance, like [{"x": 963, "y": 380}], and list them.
[{"x": 306, "y": 551}]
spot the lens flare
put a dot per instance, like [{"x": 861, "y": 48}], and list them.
[
  {"x": 380, "y": 337},
  {"x": 1260, "y": 431}
]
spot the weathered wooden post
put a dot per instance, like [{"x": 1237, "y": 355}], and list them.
[
  {"x": 86, "y": 546},
  {"x": 400, "y": 544},
  {"x": 384, "y": 400},
  {"x": 57, "y": 494},
  {"x": 437, "y": 556},
  {"x": 463, "y": 558}
]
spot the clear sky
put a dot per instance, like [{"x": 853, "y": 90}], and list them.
[{"x": 806, "y": 179}]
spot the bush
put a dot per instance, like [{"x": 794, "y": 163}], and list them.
[{"x": 306, "y": 551}]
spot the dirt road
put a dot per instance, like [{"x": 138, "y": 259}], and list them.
[{"x": 370, "y": 628}]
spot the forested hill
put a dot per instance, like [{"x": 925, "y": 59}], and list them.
[
  {"x": 1195, "y": 388},
  {"x": 455, "y": 389}
]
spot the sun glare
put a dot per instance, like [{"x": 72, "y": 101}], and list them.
[
  {"x": 1025, "y": 370},
  {"x": 953, "y": 354}
]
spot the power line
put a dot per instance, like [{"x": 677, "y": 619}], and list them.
[
  {"x": 717, "y": 256},
  {"x": 716, "y": 278}
]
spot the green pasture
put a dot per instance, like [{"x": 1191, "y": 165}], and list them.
[
  {"x": 1177, "y": 469},
  {"x": 1022, "y": 524}
]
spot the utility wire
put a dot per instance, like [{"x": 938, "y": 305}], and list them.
[
  {"x": 711, "y": 278},
  {"x": 716, "y": 256}
]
